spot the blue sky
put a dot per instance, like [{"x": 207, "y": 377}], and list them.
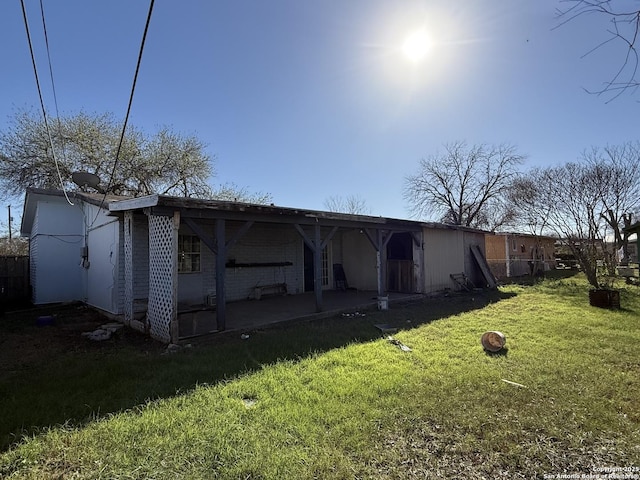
[{"x": 310, "y": 99}]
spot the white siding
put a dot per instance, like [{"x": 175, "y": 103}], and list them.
[
  {"x": 58, "y": 239},
  {"x": 265, "y": 243},
  {"x": 103, "y": 278},
  {"x": 33, "y": 259},
  {"x": 140, "y": 257}
]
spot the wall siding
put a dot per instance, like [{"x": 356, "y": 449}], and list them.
[
  {"x": 265, "y": 243},
  {"x": 56, "y": 258}
]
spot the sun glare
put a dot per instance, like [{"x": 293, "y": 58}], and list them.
[{"x": 416, "y": 46}]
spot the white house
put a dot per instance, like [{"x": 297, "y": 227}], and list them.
[{"x": 148, "y": 259}]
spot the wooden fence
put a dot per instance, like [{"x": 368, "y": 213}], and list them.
[{"x": 14, "y": 279}]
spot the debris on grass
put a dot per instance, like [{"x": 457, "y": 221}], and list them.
[
  {"x": 513, "y": 383},
  {"x": 386, "y": 328},
  {"x": 104, "y": 332},
  {"x": 398, "y": 343},
  {"x": 493, "y": 341},
  {"x": 249, "y": 402},
  {"x": 98, "y": 335},
  {"x": 354, "y": 314}
]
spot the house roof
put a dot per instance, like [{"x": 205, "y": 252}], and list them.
[
  {"x": 34, "y": 195},
  {"x": 211, "y": 209}
]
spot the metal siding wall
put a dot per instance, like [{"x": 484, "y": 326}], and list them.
[{"x": 443, "y": 255}]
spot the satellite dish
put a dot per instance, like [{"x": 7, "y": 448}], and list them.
[{"x": 86, "y": 179}]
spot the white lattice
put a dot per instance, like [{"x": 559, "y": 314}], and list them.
[
  {"x": 128, "y": 267},
  {"x": 163, "y": 245}
]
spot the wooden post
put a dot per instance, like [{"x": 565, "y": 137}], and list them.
[
  {"x": 380, "y": 263},
  {"x": 221, "y": 258},
  {"x": 317, "y": 267},
  {"x": 174, "y": 330}
]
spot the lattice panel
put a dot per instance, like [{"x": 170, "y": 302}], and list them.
[
  {"x": 162, "y": 276},
  {"x": 128, "y": 267}
]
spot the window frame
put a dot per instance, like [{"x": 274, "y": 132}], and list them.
[{"x": 189, "y": 254}]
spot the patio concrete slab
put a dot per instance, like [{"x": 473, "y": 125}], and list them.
[{"x": 250, "y": 314}]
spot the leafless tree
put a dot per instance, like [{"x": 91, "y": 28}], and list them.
[
  {"x": 624, "y": 27},
  {"x": 11, "y": 243},
  {"x": 352, "y": 204},
  {"x": 464, "y": 185},
  {"x": 584, "y": 204},
  {"x": 618, "y": 168},
  {"x": 233, "y": 193}
]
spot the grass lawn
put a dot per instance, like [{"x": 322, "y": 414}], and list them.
[{"x": 335, "y": 399}]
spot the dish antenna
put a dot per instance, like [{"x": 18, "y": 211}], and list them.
[{"x": 86, "y": 179}]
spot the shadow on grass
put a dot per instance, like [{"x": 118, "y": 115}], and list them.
[
  {"x": 500, "y": 353},
  {"x": 82, "y": 381}
]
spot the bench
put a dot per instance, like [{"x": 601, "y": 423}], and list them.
[{"x": 273, "y": 289}]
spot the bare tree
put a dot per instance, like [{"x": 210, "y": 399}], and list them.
[
  {"x": 568, "y": 201},
  {"x": 352, "y": 204},
  {"x": 618, "y": 170},
  {"x": 10, "y": 242},
  {"x": 464, "y": 185},
  {"x": 624, "y": 27},
  {"x": 233, "y": 193}
]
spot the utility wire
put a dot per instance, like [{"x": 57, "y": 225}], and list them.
[
  {"x": 53, "y": 85},
  {"x": 46, "y": 42},
  {"x": 44, "y": 111},
  {"x": 126, "y": 118}
]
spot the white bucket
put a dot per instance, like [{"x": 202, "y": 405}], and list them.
[{"x": 383, "y": 303}]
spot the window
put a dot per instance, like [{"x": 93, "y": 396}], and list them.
[{"x": 188, "y": 254}]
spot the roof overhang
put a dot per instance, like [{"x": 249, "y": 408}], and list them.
[
  {"x": 35, "y": 195},
  {"x": 216, "y": 209}
]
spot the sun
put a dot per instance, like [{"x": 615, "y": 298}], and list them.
[{"x": 416, "y": 46}]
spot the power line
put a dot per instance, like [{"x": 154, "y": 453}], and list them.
[
  {"x": 46, "y": 42},
  {"x": 44, "y": 111},
  {"x": 133, "y": 88}
]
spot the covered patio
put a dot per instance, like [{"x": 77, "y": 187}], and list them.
[{"x": 246, "y": 251}]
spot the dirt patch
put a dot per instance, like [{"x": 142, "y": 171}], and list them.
[{"x": 28, "y": 340}]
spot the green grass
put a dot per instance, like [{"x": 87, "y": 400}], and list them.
[{"x": 331, "y": 399}]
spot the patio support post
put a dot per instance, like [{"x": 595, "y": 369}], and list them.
[
  {"x": 419, "y": 268},
  {"x": 317, "y": 246},
  {"x": 380, "y": 242},
  {"x": 128, "y": 267},
  {"x": 317, "y": 267},
  {"x": 381, "y": 264},
  {"x": 221, "y": 258}
]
